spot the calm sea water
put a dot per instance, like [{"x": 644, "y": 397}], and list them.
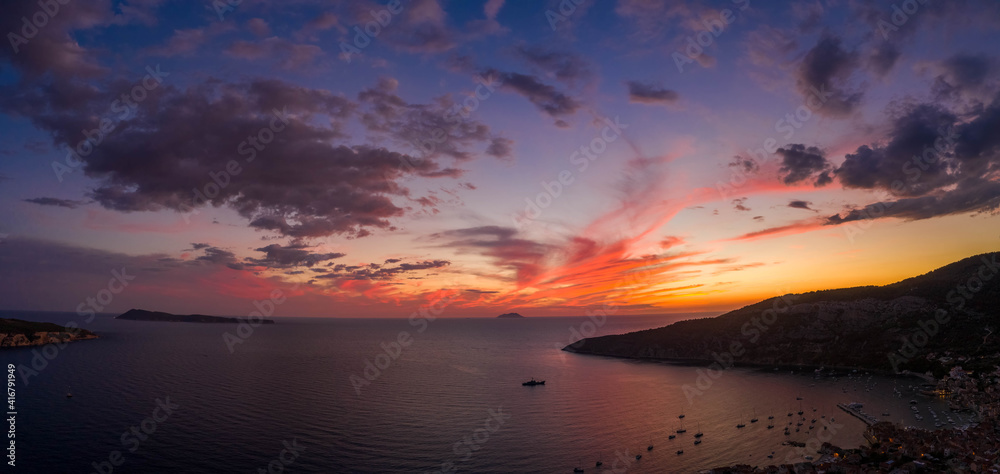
[{"x": 453, "y": 395}]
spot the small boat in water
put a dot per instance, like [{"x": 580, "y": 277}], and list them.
[
  {"x": 680, "y": 451},
  {"x": 697, "y": 441},
  {"x": 533, "y": 382}
]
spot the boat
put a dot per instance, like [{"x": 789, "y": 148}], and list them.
[
  {"x": 754, "y": 419},
  {"x": 69, "y": 395},
  {"x": 577, "y": 469},
  {"x": 638, "y": 457},
  {"x": 697, "y": 441},
  {"x": 680, "y": 451},
  {"x": 741, "y": 425},
  {"x": 650, "y": 447},
  {"x": 671, "y": 436},
  {"x": 533, "y": 382},
  {"x": 699, "y": 434},
  {"x": 771, "y": 417},
  {"x": 681, "y": 429}
]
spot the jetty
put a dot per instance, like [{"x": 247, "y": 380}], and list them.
[{"x": 855, "y": 410}]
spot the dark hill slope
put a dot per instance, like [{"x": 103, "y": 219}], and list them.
[{"x": 849, "y": 327}]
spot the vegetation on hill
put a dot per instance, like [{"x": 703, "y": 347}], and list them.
[{"x": 950, "y": 316}]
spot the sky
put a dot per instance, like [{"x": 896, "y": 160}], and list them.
[{"x": 372, "y": 158}]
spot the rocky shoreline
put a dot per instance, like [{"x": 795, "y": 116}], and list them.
[{"x": 20, "y": 333}]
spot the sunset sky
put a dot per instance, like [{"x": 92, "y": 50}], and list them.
[{"x": 539, "y": 157}]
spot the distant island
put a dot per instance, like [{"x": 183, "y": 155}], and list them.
[
  {"x": 929, "y": 323},
  {"x": 20, "y": 333},
  {"x": 510, "y": 315},
  {"x": 143, "y": 315}
]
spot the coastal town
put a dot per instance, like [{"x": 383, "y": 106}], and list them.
[{"x": 898, "y": 449}]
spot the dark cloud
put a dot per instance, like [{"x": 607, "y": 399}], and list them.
[
  {"x": 963, "y": 73},
  {"x": 824, "y": 73},
  {"x": 217, "y": 256},
  {"x": 935, "y": 163},
  {"x": 977, "y": 147},
  {"x": 421, "y": 27},
  {"x": 547, "y": 98},
  {"x": 564, "y": 66},
  {"x": 509, "y": 251},
  {"x": 442, "y": 128},
  {"x": 883, "y": 57},
  {"x": 912, "y": 133},
  {"x": 744, "y": 164},
  {"x": 800, "y": 205},
  {"x": 650, "y": 94},
  {"x": 374, "y": 271},
  {"x": 199, "y": 246},
  {"x": 48, "y": 201},
  {"x": 287, "y": 54},
  {"x": 301, "y": 184},
  {"x": 800, "y": 163},
  {"x": 58, "y": 277},
  {"x": 972, "y": 195},
  {"x": 53, "y": 49},
  {"x": 500, "y": 147},
  {"x": 739, "y": 204},
  {"x": 278, "y": 256}
]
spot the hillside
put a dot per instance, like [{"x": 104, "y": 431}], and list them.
[
  {"x": 861, "y": 327},
  {"x": 20, "y": 333}
]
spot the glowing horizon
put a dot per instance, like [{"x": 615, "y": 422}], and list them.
[{"x": 491, "y": 153}]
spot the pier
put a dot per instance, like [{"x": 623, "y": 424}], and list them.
[{"x": 855, "y": 410}]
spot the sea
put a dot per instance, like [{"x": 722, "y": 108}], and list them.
[{"x": 327, "y": 395}]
